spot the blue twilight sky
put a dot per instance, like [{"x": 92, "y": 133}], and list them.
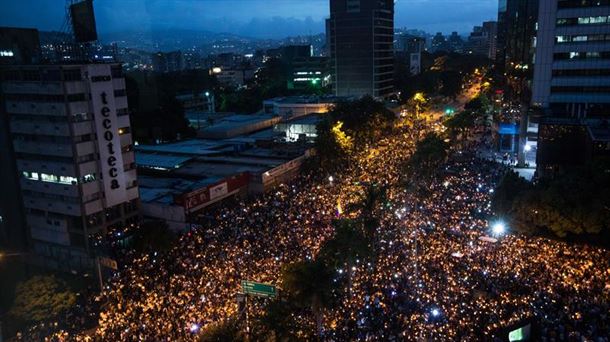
[{"x": 254, "y": 18}]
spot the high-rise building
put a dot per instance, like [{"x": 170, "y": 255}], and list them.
[
  {"x": 17, "y": 46},
  {"x": 70, "y": 133},
  {"x": 439, "y": 42},
  {"x": 362, "y": 47},
  {"x": 455, "y": 42},
  {"x": 571, "y": 76},
  {"x": 516, "y": 35},
  {"x": 414, "y": 46},
  {"x": 482, "y": 40}
]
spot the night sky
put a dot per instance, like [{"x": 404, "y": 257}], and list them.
[{"x": 255, "y": 18}]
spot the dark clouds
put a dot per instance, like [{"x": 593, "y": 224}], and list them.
[{"x": 257, "y": 18}]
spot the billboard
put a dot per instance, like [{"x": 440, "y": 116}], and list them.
[
  {"x": 83, "y": 21},
  {"x": 107, "y": 129}
]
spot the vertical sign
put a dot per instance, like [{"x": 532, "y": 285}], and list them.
[{"x": 106, "y": 126}]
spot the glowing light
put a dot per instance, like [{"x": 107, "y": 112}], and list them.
[
  {"x": 498, "y": 228},
  {"x": 194, "y": 327},
  {"x": 435, "y": 312}
]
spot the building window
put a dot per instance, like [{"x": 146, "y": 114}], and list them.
[
  {"x": 88, "y": 178},
  {"x": 72, "y": 75}
]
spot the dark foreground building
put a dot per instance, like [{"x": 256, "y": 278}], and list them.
[{"x": 361, "y": 40}]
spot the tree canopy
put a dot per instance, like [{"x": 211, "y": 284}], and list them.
[
  {"x": 430, "y": 152},
  {"x": 576, "y": 201},
  {"x": 41, "y": 298}
]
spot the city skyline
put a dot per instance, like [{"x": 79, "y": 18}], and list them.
[{"x": 273, "y": 19}]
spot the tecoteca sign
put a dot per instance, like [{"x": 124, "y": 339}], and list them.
[{"x": 106, "y": 124}]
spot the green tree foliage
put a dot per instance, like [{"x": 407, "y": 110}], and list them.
[
  {"x": 575, "y": 201},
  {"x": 477, "y": 105},
  {"x": 330, "y": 153},
  {"x": 362, "y": 121},
  {"x": 223, "y": 331},
  {"x": 41, "y": 299},
  {"x": 430, "y": 152},
  {"x": 277, "y": 323},
  {"x": 153, "y": 236},
  {"x": 451, "y": 83},
  {"x": 348, "y": 245},
  {"x": 309, "y": 284},
  {"x": 365, "y": 119}
]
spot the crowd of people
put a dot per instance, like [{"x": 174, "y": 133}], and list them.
[
  {"x": 433, "y": 276},
  {"x": 437, "y": 273}
]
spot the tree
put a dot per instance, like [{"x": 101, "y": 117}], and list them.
[
  {"x": 331, "y": 153},
  {"x": 461, "y": 123},
  {"x": 309, "y": 284},
  {"x": 227, "y": 330},
  {"x": 478, "y": 105},
  {"x": 365, "y": 119},
  {"x": 348, "y": 245},
  {"x": 40, "y": 299},
  {"x": 575, "y": 201},
  {"x": 368, "y": 203},
  {"x": 277, "y": 323},
  {"x": 430, "y": 152},
  {"x": 153, "y": 236}
]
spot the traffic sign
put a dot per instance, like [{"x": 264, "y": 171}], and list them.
[{"x": 258, "y": 289}]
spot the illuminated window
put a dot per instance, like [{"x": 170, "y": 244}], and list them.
[
  {"x": 67, "y": 180},
  {"x": 45, "y": 177},
  {"x": 89, "y": 178},
  {"x": 30, "y": 175}
]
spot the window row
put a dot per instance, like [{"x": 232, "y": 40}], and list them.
[
  {"x": 602, "y": 19},
  {"x": 581, "y": 55},
  {"x": 582, "y": 38},
  {"x": 51, "y": 178}
]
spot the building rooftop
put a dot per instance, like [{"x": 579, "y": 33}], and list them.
[
  {"x": 302, "y": 99},
  {"x": 236, "y": 125}
]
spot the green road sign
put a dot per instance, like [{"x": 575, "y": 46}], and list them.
[{"x": 258, "y": 289}]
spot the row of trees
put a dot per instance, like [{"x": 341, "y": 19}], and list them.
[{"x": 576, "y": 201}]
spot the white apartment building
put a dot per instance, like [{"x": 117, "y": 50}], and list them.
[
  {"x": 572, "y": 63},
  {"x": 70, "y": 129}
]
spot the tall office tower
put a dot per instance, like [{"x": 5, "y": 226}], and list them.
[
  {"x": 439, "y": 42},
  {"x": 516, "y": 35},
  {"x": 17, "y": 46},
  {"x": 572, "y": 69},
  {"x": 571, "y": 77},
  {"x": 70, "y": 130},
  {"x": 414, "y": 46},
  {"x": 482, "y": 40},
  {"x": 362, "y": 47}
]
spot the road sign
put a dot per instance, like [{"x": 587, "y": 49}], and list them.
[{"x": 258, "y": 289}]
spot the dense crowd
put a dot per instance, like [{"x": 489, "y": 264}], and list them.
[
  {"x": 433, "y": 276},
  {"x": 436, "y": 274}
]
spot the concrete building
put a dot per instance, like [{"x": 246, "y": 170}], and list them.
[
  {"x": 292, "y": 107},
  {"x": 483, "y": 39},
  {"x": 167, "y": 61},
  {"x": 70, "y": 132},
  {"x": 180, "y": 181},
  {"x": 516, "y": 36},
  {"x": 362, "y": 47},
  {"x": 17, "y": 46},
  {"x": 571, "y": 76}
]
